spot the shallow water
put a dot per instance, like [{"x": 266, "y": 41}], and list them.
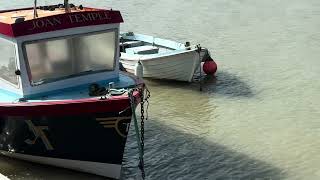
[{"x": 258, "y": 119}]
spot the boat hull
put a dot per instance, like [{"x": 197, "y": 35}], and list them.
[
  {"x": 91, "y": 141},
  {"x": 178, "y": 66}
]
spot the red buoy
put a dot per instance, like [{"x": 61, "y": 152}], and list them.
[{"x": 209, "y": 66}]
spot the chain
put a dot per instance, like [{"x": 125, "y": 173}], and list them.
[
  {"x": 144, "y": 98},
  {"x": 141, "y": 165},
  {"x": 142, "y": 119},
  {"x": 132, "y": 102},
  {"x": 148, "y": 95}
]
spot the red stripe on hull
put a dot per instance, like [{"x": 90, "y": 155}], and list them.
[{"x": 67, "y": 107}]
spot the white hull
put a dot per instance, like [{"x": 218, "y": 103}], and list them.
[
  {"x": 178, "y": 66},
  {"x": 103, "y": 169}
]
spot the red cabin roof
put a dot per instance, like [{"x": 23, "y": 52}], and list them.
[{"x": 53, "y": 20}]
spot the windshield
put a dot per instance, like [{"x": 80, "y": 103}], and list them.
[{"x": 54, "y": 59}]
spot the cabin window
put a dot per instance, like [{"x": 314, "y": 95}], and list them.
[
  {"x": 54, "y": 59},
  {"x": 8, "y": 62}
]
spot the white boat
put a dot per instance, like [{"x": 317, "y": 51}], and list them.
[{"x": 160, "y": 58}]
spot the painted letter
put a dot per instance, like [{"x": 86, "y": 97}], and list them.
[
  {"x": 49, "y": 23},
  {"x": 38, "y": 132},
  {"x": 94, "y": 16},
  {"x": 40, "y": 24},
  {"x": 78, "y": 18},
  {"x": 57, "y": 21},
  {"x": 86, "y": 18},
  {"x": 34, "y": 26},
  {"x": 107, "y": 17},
  {"x": 71, "y": 19}
]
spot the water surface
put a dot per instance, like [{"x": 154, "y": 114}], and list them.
[{"x": 258, "y": 119}]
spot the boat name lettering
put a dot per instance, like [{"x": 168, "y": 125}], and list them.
[
  {"x": 72, "y": 19},
  {"x": 44, "y": 23},
  {"x": 79, "y": 18}
]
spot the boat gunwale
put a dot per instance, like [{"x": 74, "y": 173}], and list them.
[{"x": 151, "y": 57}]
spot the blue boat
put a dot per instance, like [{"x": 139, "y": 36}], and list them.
[{"x": 63, "y": 100}]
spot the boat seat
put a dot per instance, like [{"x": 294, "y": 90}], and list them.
[
  {"x": 130, "y": 44},
  {"x": 143, "y": 50}
]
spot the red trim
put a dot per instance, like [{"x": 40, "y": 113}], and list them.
[
  {"x": 89, "y": 17},
  {"x": 67, "y": 107},
  {"x": 6, "y": 29}
]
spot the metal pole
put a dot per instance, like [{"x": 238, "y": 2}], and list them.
[
  {"x": 200, "y": 60},
  {"x": 66, "y": 6},
  {"x": 35, "y": 13}
]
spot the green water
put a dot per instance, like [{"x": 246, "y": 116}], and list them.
[{"x": 260, "y": 117}]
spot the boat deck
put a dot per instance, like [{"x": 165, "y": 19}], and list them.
[
  {"x": 133, "y": 47},
  {"x": 79, "y": 92}
]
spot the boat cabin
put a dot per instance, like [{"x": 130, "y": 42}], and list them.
[{"x": 48, "y": 50}]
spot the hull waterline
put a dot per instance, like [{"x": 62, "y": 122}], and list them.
[{"x": 102, "y": 169}]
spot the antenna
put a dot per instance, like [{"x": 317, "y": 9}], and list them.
[
  {"x": 66, "y": 6},
  {"x": 35, "y": 13}
]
